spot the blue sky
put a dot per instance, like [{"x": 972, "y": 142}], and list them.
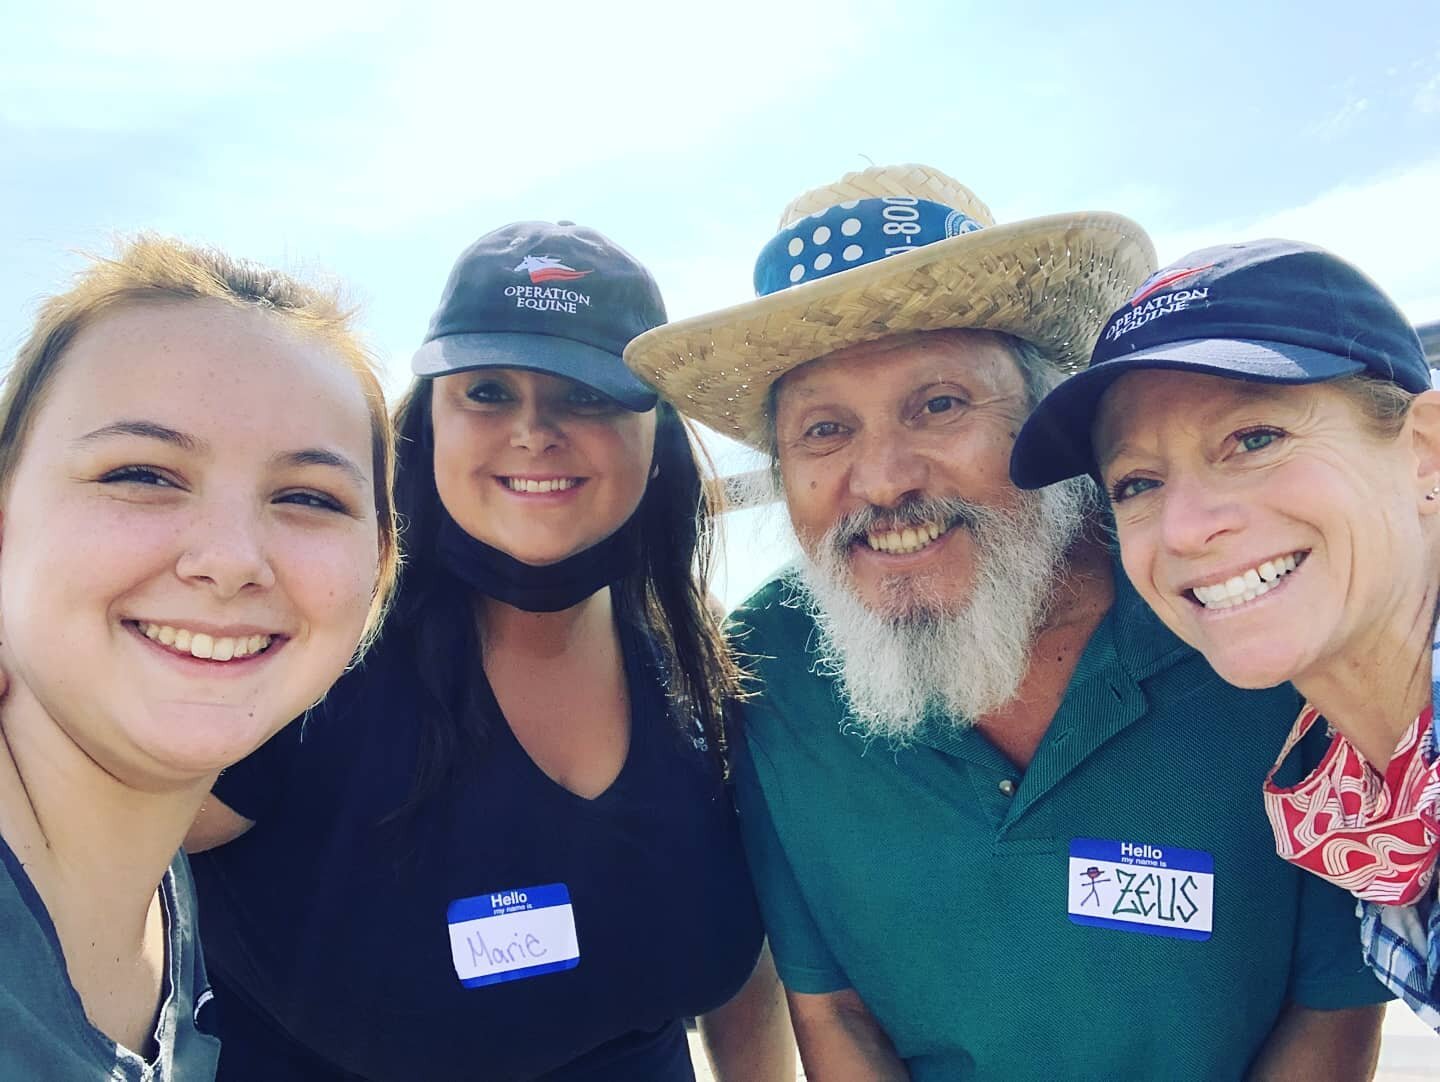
[{"x": 374, "y": 143}]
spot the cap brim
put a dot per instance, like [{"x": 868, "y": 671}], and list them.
[
  {"x": 598, "y": 369},
  {"x": 1054, "y": 442}
]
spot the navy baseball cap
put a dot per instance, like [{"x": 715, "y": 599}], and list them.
[
  {"x": 1267, "y": 311},
  {"x": 556, "y": 298}
]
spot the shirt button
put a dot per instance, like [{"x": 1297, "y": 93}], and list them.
[{"x": 1007, "y": 787}]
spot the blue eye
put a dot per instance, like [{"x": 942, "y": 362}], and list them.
[
  {"x": 1128, "y": 487},
  {"x": 1257, "y": 439}
]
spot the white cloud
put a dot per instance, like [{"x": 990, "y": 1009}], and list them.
[
  {"x": 1342, "y": 119},
  {"x": 1386, "y": 225}
]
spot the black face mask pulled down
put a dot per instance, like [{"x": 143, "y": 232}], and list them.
[{"x": 550, "y": 588}]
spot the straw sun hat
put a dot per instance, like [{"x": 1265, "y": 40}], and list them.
[{"x": 887, "y": 250}]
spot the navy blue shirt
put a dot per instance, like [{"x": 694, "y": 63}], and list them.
[{"x": 328, "y": 927}]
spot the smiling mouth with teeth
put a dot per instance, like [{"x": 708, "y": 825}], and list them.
[
  {"x": 910, "y": 539},
  {"x": 198, "y": 644},
  {"x": 1254, "y": 583},
  {"x": 553, "y": 484}
]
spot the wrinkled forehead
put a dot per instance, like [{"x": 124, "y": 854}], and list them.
[{"x": 895, "y": 364}]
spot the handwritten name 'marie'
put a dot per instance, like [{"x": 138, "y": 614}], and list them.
[{"x": 517, "y": 950}]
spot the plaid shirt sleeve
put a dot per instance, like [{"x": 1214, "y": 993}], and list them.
[
  {"x": 1402, "y": 946},
  {"x": 1402, "y": 942}
]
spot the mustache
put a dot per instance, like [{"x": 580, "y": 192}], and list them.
[{"x": 914, "y": 512}]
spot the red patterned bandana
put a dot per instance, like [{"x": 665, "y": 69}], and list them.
[{"x": 1374, "y": 834}]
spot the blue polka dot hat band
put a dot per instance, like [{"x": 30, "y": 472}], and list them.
[{"x": 852, "y": 234}]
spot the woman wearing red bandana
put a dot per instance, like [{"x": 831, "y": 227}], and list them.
[{"x": 1267, "y": 435}]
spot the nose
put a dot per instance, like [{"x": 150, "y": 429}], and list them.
[
  {"x": 887, "y": 470},
  {"x": 226, "y": 550},
  {"x": 535, "y": 428},
  {"x": 1196, "y": 512}
]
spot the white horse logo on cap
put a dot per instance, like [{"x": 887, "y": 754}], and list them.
[{"x": 548, "y": 268}]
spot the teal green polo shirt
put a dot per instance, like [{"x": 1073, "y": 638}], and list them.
[{"x": 939, "y": 881}]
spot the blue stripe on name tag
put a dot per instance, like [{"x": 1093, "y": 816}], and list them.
[
  {"x": 519, "y": 974},
  {"x": 1143, "y": 929},
  {"x": 514, "y": 900},
  {"x": 1143, "y": 854}
]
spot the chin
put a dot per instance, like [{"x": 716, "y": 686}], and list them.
[
  {"x": 909, "y": 597},
  {"x": 547, "y": 559},
  {"x": 538, "y": 552},
  {"x": 192, "y": 742},
  {"x": 1252, "y": 673},
  {"x": 1247, "y": 681}
]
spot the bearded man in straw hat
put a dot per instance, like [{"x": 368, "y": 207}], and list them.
[{"x": 1003, "y": 824}]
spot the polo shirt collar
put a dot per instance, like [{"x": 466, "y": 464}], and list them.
[{"x": 1102, "y": 699}]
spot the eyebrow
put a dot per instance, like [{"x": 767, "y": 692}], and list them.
[
  {"x": 1120, "y": 450},
  {"x": 146, "y": 430},
  {"x": 319, "y": 456},
  {"x": 150, "y": 430}
]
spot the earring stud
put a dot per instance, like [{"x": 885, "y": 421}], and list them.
[{"x": 1433, "y": 494}]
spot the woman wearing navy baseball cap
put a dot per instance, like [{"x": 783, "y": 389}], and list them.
[
  {"x": 1262, "y": 419},
  {"x": 505, "y": 848}
]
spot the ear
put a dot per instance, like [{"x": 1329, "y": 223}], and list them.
[{"x": 1423, "y": 423}]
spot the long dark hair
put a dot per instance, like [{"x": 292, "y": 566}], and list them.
[{"x": 435, "y": 622}]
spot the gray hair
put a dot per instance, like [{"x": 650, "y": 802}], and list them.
[
  {"x": 1383, "y": 405},
  {"x": 1037, "y": 368}
]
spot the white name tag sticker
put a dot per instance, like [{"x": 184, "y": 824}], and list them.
[
  {"x": 512, "y": 934},
  {"x": 1138, "y": 887}
]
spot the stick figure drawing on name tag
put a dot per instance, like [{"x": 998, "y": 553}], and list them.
[{"x": 1092, "y": 877}]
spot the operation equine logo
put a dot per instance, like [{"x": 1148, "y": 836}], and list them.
[
  {"x": 1149, "y": 302},
  {"x": 540, "y": 297},
  {"x": 546, "y": 268}
]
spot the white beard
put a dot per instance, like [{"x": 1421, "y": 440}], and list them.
[{"x": 912, "y": 659}]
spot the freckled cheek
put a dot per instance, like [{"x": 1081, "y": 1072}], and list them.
[
  {"x": 329, "y": 583},
  {"x": 90, "y": 553}
]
